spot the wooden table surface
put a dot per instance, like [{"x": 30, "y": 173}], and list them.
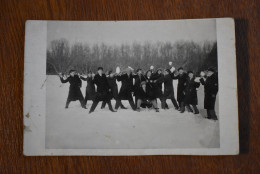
[{"x": 14, "y": 13}]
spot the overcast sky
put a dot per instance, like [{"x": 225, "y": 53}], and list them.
[{"x": 129, "y": 31}]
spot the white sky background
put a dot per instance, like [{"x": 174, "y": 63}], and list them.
[{"x": 111, "y": 32}]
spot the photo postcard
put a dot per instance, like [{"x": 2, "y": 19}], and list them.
[{"x": 155, "y": 87}]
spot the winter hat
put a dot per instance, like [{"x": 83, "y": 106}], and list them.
[
  {"x": 139, "y": 69},
  {"x": 190, "y": 72},
  {"x": 72, "y": 70},
  {"x": 180, "y": 68},
  {"x": 169, "y": 71},
  {"x": 100, "y": 68},
  {"x": 159, "y": 69}
]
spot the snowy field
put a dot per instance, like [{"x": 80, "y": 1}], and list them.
[{"x": 74, "y": 128}]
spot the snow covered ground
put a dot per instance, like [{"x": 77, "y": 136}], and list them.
[{"x": 74, "y": 128}]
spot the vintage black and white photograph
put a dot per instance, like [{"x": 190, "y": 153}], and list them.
[{"x": 132, "y": 85}]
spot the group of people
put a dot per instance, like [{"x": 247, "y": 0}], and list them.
[{"x": 146, "y": 89}]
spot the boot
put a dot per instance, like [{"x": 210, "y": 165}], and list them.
[
  {"x": 138, "y": 109},
  {"x": 83, "y": 105},
  {"x": 156, "y": 109}
]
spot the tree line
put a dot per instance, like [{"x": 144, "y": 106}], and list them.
[{"x": 83, "y": 57}]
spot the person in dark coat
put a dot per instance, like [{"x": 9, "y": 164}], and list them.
[
  {"x": 103, "y": 90},
  {"x": 146, "y": 96},
  {"x": 126, "y": 89},
  {"x": 211, "y": 90},
  {"x": 111, "y": 79},
  {"x": 74, "y": 90},
  {"x": 182, "y": 78},
  {"x": 191, "y": 93},
  {"x": 158, "y": 78},
  {"x": 168, "y": 89},
  {"x": 90, "y": 88},
  {"x": 139, "y": 77}
]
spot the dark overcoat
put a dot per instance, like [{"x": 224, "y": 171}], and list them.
[
  {"x": 138, "y": 80},
  {"x": 182, "y": 78},
  {"x": 145, "y": 95},
  {"x": 90, "y": 88},
  {"x": 158, "y": 80},
  {"x": 191, "y": 92},
  {"x": 210, "y": 90},
  {"x": 126, "y": 89},
  {"x": 74, "y": 90},
  {"x": 168, "y": 87},
  {"x": 113, "y": 85},
  {"x": 102, "y": 93}
]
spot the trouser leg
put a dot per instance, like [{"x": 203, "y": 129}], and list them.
[
  {"x": 93, "y": 106},
  {"x": 196, "y": 111},
  {"x": 164, "y": 104},
  {"x": 103, "y": 104},
  {"x": 67, "y": 103},
  {"x": 83, "y": 103},
  {"x": 118, "y": 101},
  {"x": 131, "y": 102},
  {"x": 174, "y": 103},
  {"x": 110, "y": 105},
  {"x": 85, "y": 100},
  {"x": 182, "y": 107},
  {"x": 161, "y": 99},
  {"x": 208, "y": 114}
]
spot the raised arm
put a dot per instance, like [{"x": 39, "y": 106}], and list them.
[
  {"x": 83, "y": 78},
  {"x": 64, "y": 81}
]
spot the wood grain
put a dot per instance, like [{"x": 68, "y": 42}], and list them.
[{"x": 14, "y": 13}]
